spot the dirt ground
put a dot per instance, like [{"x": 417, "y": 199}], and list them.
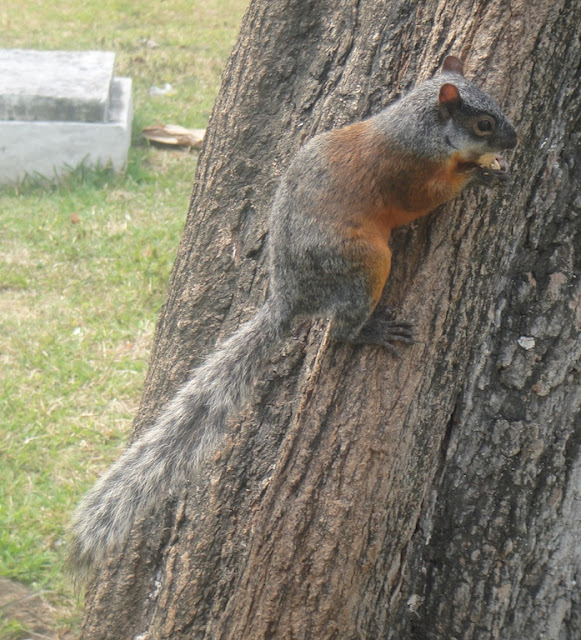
[{"x": 31, "y": 610}]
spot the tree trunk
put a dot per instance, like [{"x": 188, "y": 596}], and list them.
[{"x": 435, "y": 496}]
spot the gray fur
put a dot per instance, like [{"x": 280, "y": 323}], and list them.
[
  {"x": 311, "y": 275},
  {"x": 167, "y": 455}
]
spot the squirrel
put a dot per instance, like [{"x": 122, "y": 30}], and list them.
[{"x": 329, "y": 257}]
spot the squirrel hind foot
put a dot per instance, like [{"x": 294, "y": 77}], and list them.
[
  {"x": 385, "y": 332},
  {"x": 382, "y": 330}
]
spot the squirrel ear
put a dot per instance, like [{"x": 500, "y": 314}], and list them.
[
  {"x": 449, "y": 99},
  {"x": 453, "y": 65}
]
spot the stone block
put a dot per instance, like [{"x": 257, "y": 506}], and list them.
[
  {"x": 57, "y": 143},
  {"x": 71, "y": 86}
]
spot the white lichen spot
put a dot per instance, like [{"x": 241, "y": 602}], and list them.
[
  {"x": 526, "y": 342},
  {"x": 414, "y": 602}
]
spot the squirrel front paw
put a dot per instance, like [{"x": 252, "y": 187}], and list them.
[{"x": 491, "y": 170}]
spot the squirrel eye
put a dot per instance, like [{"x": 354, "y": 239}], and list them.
[{"x": 484, "y": 126}]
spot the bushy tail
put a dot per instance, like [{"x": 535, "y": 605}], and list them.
[{"x": 168, "y": 453}]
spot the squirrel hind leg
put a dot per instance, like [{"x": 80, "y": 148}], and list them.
[{"x": 358, "y": 315}]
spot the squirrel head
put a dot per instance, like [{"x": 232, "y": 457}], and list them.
[{"x": 473, "y": 122}]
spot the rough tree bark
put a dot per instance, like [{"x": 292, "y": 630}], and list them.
[{"x": 359, "y": 496}]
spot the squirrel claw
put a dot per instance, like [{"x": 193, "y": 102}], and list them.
[{"x": 491, "y": 177}]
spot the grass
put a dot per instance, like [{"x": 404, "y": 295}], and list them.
[
  {"x": 10, "y": 628},
  {"x": 84, "y": 267}
]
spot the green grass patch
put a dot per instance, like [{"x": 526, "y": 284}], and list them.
[
  {"x": 84, "y": 265},
  {"x": 11, "y": 629}
]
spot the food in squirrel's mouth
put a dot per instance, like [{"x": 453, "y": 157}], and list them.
[{"x": 492, "y": 161}]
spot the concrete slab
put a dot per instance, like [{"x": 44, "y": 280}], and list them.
[
  {"x": 51, "y": 148},
  {"x": 70, "y": 86}
]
